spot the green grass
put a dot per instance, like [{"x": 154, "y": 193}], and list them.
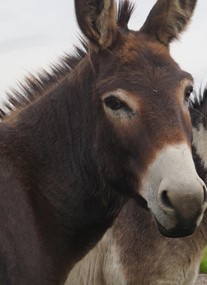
[{"x": 203, "y": 266}]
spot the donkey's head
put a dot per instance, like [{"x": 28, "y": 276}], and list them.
[
  {"x": 198, "y": 113},
  {"x": 143, "y": 98}
]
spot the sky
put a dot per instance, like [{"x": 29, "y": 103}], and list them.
[{"x": 35, "y": 33}]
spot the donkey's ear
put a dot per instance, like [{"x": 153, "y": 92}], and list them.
[
  {"x": 97, "y": 20},
  {"x": 168, "y": 18}
]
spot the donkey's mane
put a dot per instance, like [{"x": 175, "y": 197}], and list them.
[
  {"x": 35, "y": 86},
  {"x": 200, "y": 99}
]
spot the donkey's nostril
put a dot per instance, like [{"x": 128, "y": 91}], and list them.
[
  {"x": 185, "y": 200},
  {"x": 165, "y": 200}
]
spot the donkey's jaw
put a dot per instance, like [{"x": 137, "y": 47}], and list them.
[{"x": 174, "y": 192}]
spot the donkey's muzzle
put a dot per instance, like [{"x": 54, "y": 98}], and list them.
[
  {"x": 175, "y": 194},
  {"x": 185, "y": 202}
]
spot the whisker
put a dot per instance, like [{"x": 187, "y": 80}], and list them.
[{"x": 200, "y": 113}]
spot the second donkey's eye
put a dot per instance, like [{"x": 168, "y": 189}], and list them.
[{"x": 115, "y": 104}]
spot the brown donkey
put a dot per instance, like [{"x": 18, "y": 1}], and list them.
[
  {"x": 133, "y": 252},
  {"x": 100, "y": 128}
]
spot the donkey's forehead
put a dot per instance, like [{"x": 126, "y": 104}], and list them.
[
  {"x": 135, "y": 45},
  {"x": 137, "y": 48},
  {"x": 140, "y": 64},
  {"x": 139, "y": 53}
]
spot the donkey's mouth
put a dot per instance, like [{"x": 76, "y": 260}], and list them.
[
  {"x": 181, "y": 230},
  {"x": 139, "y": 200}
]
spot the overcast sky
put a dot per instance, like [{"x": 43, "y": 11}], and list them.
[{"x": 34, "y": 33}]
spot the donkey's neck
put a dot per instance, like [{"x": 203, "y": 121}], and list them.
[{"x": 51, "y": 141}]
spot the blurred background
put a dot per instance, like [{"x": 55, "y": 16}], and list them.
[{"x": 34, "y": 33}]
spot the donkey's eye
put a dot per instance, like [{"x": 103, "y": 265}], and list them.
[
  {"x": 115, "y": 104},
  {"x": 188, "y": 91}
]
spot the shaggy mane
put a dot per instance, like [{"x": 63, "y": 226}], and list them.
[
  {"x": 35, "y": 86},
  {"x": 200, "y": 99}
]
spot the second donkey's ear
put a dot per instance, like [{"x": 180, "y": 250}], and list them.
[
  {"x": 97, "y": 20},
  {"x": 168, "y": 18}
]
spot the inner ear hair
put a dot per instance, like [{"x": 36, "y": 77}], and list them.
[
  {"x": 168, "y": 18},
  {"x": 97, "y": 20}
]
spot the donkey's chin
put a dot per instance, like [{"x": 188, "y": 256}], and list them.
[{"x": 182, "y": 230}]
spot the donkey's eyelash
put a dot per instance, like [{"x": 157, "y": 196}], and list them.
[
  {"x": 187, "y": 101},
  {"x": 116, "y": 104}
]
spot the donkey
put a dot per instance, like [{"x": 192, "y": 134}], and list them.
[
  {"x": 133, "y": 252},
  {"x": 109, "y": 124}
]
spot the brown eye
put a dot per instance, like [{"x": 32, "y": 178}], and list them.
[
  {"x": 188, "y": 91},
  {"x": 115, "y": 104}
]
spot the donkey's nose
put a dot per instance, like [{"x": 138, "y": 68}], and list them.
[{"x": 185, "y": 200}]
